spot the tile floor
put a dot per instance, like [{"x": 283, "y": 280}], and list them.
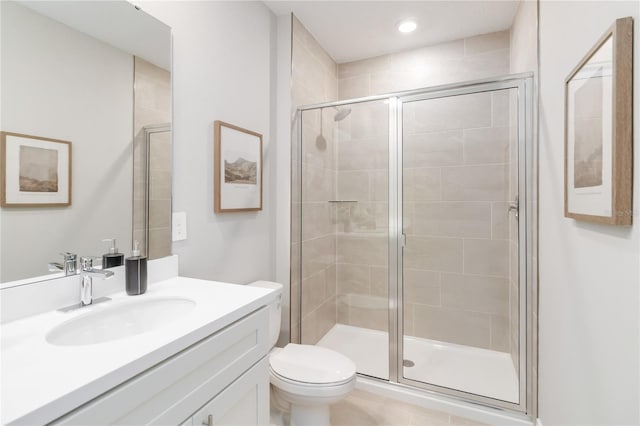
[{"x": 364, "y": 409}]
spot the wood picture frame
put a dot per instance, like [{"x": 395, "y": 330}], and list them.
[
  {"x": 598, "y": 137},
  {"x": 237, "y": 169},
  {"x": 36, "y": 171}
]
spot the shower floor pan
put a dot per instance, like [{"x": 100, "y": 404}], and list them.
[{"x": 479, "y": 371}]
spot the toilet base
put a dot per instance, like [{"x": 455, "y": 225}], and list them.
[
  {"x": 305, "y": 410},
  {"x": 305, "y": 415}
]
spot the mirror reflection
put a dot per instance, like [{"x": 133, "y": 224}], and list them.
[{"x": 70, "y": 74}]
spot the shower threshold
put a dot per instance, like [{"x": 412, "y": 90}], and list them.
[{"x": 474, "y": 370}]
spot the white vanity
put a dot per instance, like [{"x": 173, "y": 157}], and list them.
[{"x": 186, "y": 352}]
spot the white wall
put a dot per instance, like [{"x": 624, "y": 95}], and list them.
[
  {"x": 589, "y": 274},
  {"x": 60, "y": 93},
  {"x": 223, "y": 69}
]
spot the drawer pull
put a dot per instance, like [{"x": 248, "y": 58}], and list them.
[{"x": 209, "y": 421}]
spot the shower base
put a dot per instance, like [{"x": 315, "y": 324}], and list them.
[{"x": 479, "y": 371}]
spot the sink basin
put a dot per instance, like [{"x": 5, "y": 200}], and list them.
[{"x": 119, "y": 321}]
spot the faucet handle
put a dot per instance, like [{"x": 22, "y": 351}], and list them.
[
  {"x": 69, "y": 265},
  {"x": 86, "y": 262}
]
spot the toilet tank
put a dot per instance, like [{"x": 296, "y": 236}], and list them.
[{"x": 275, "y": 309}]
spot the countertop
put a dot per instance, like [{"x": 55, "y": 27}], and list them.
[{"x": 41, "y": 382}]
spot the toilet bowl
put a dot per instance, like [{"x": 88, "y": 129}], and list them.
[{"x": 305, "y": 379}]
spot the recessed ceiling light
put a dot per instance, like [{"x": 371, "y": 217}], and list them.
[{"x": 407, "y": 26}]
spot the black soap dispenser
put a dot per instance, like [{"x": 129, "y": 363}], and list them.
[
  {"x": 136, "y": 272},
  {"x": 113, "y": 258}
]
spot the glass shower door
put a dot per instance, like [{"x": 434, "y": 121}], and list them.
[
  {"x": 459, "y": 272},
  {"x": 344, "y": 232}
]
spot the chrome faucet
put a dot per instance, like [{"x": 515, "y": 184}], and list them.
[
  {"x": 69, "y": 265},
  {"x": 87, "y": 273}
]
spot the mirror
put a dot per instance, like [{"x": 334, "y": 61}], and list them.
[{"x": 69, "y": 69}]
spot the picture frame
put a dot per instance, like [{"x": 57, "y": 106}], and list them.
[
  {"x": 36, "y": 171},
  {"x": 238, "y": 169},
  {"x": 598, "y": 131}
]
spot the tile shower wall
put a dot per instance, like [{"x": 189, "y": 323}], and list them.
[
  {"x": 152, "y": 106},
  {"x": 362, "y": 156},
  {"x": 471, "y": 58},
  {"x": 314, "y": 80},
  {"x": 457, "y": 264},
  {"x": 455, "y": 216}
]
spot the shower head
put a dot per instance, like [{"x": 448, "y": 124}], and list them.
[{"x": 341, "y": 114}]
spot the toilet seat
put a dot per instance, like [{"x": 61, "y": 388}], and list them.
[
  {"x": 299, "y": 383},
  {"x": 311, "y": 366},
  {"x": 316, "y": 392}
]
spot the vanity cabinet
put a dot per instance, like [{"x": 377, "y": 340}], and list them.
[
  {"x": 244, "y": 402},
  {"x": 225, "y": 376}
]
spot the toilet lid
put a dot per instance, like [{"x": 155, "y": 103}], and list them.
[{"x": 312, "y": 364}]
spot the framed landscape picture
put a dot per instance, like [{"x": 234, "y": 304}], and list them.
[
  {"x": 598, "y": 130},
  {"x": 238, "y": 169},
  {"x": 36, "y": 171}
]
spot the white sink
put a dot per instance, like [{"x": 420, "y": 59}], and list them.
[{"x": 119, "y": 321}]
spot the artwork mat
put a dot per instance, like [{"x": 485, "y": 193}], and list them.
[
  {"x": 614, "y": 205},
  {"x": 236, "y": 197},
  {"x": 10, "y": 194},
  {"x": 589, "y": 200}
]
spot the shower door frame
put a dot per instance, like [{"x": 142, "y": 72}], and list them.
[
  {"x": 527, "y": 229},
  {"x": 397, "y": 240}
]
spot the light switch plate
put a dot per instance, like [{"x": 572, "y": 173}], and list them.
[{"x": 179, "y": 226}]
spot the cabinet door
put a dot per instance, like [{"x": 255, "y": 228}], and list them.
[{"x": 245, "y": 402}]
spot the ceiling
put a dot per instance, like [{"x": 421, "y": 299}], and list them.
[{"x": 352, "y": 30}]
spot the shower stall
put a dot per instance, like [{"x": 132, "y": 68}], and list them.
[{"x": 412, "y": 237}]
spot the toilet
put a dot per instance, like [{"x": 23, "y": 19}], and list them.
[{"x": 305, "y": 378}]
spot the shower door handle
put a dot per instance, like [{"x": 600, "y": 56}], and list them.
[{"x": 515, "y": 207}]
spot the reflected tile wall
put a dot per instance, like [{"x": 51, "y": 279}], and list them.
[
  {"x": 152, "y": 106},
  {"x": 314, "y": 80}
]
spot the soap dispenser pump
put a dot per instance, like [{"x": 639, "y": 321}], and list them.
[
  {"x": 113, "y": 258},
  {"x": 136, "y": 272}
]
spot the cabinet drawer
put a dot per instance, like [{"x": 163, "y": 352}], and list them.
[{"x": 173, "y": 390}]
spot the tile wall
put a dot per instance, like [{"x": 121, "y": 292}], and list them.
[
  {"x": 456, "y": 183},
  {"x": 314, "y": 80},
  {"x": 456, "y": 264},
  {"x": 362, "y": 156},
  {"x": 471, "y": 58},
  {"x": 457, "y": 189}
]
